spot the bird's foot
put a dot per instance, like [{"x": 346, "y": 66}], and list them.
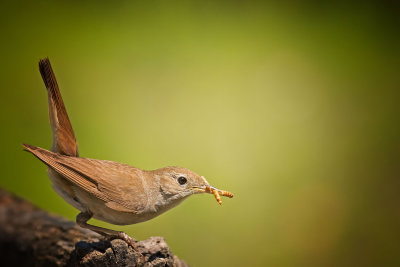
[{"x": 129, "y": 240}]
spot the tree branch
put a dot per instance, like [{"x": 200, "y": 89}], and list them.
[{"x": 32, "y": 237}]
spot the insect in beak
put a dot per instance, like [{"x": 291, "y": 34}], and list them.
[{"x": 212, "y": 190}]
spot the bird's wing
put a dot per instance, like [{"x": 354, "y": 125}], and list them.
[{"x": 120, "y": 186}]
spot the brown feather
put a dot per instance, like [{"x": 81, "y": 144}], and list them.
[
  {"x": 64, "y": 141},
  {"x": 107, "y": 180}
]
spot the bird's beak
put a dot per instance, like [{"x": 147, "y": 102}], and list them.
[{"x": 199, "y": 189}]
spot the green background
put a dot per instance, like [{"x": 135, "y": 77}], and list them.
[{"x": 293, "y": 106}]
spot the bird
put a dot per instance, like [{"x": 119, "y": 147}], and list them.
[{"x": 109, "y": 191}]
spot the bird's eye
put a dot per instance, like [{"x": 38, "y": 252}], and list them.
[{"x": 182, "y": 180}]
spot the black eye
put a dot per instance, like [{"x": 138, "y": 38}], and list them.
[{"x": 182, "y": 180}]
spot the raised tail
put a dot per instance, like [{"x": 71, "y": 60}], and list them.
[{"x": 64, "y": 141}]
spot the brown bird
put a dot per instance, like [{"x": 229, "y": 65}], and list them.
[{"x": 109, "y": 191}]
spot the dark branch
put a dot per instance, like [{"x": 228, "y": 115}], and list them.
[{"x": 32, "y": 237}]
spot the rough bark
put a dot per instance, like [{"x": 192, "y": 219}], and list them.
[{"x": 32, "y": 237}]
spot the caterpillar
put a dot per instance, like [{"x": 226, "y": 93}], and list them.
[{"x": 218, "y": 193}]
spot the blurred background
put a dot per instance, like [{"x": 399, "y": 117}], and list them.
[{"x": 293, "y": 106}]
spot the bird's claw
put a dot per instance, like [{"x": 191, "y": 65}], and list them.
[{"x": 129, "y": 240}]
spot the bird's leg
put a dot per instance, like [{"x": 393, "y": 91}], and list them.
[{"x": 82, "y": 219}]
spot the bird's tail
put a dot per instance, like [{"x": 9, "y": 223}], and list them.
[{"x": 64, "y": 141}]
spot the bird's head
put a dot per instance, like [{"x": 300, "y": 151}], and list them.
[{"x": 177, "y": 183}]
